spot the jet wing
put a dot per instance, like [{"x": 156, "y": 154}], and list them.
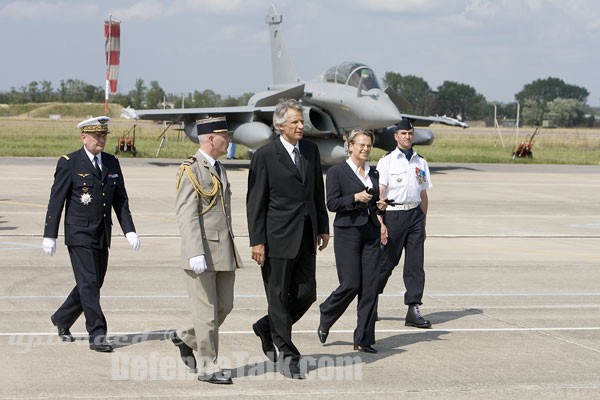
[
  {"x": 419, "y": 120},
  {"x": 260, "y": 109},
  {"x": 235, "y": 115},
  {"x": 277, "y": 92}
]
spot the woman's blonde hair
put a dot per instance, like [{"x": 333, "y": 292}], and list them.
[{"x": 356, "y": 132}]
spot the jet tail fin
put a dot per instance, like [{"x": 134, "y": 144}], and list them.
[{"x": 283, "y": 69}]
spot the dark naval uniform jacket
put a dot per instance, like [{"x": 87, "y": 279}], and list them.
[{"x": 87, "y": 199}]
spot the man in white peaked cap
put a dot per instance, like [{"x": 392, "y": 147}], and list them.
[{"x": 88, "y": 183}]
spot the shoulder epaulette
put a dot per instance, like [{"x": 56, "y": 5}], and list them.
[
  {"x": 190, "y": 161},
  {"x": 66, "y": 157}
]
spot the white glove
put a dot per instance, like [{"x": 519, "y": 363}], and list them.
[
  {"x": 133, "y": 240},
  {"x": 49, "y": 246},
  {"x": 198, "y": 264}
]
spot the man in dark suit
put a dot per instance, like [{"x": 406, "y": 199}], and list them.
[
  {"x": 87, "y": 184},
  {"x": 287, "y": 220}
]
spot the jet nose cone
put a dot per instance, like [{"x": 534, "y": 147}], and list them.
[
  {"x": 389, "y": 112},
  {"x": 381, "y": 111}
]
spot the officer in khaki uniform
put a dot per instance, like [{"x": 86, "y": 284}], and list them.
[{"x": 208, "y": 253}]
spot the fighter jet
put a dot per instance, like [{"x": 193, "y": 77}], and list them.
[{"x": 344, "y": 97}]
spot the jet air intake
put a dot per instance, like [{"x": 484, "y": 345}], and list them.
[{"x": 317, "y": 122}]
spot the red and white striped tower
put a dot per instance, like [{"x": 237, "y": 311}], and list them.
[{"x": 112, "y": 35}]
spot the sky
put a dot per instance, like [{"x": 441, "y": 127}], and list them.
[{"x": 495, "y": 46}]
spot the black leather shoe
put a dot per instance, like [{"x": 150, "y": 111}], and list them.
[
  {"x": 322, "y": 333},
  {"x": 185, "y": 351},
  {"x": 267, "y": 342},
  {"x": 291, "y": 370},
  {"x": 217, "y": 378},
  {"x": 414, "y": 318},
  {"x": 63, "y": 333},
  {"x": 365, "y": 349},
  {"x": 101, "y": 347}
]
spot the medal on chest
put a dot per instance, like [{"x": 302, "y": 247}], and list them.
[
  {"x": 421, "y": 176},
  {"x": 86, "y": 198}
]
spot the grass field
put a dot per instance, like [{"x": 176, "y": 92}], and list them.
[{"x": 41, "y": 137}]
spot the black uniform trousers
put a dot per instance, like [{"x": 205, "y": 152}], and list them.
[
  {"x": 357, "y": 258},
  {"x": 89, "y": 267},
  {"x": 406, "y": 230},
  {"x": 291, "y": 288}
]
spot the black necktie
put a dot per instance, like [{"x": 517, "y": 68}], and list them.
[
  {"x": 217, "y": 168},
  {"x": 97, "y": 163},
  {"x": 297, "y": 160}
]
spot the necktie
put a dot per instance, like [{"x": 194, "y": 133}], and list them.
[
  {"x": 217, "y": 168},
  {"x": 97, "y": 163},
  {"x": 297, "y": 160}
]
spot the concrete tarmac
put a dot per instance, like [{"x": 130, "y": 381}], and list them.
[{"x": 512, "y": 290}]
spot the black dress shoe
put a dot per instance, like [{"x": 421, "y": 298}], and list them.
[
  {"x": 322, "y": 333},
  {"x": 63, "y": 333},
  {"x": 217, "y": 378},
  {"x": 267, "y": 342},
  {"x": 365, "y": 349},
  {"x": 414, "y": 318},
  {"x": 101, "y": 347},
  {"x": 292, "y": 370},
  {"x": 185, "y": 351}
]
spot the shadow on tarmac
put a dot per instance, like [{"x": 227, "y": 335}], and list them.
[
  {"x": 136, "y": 338},
  {"x": 441, "y": 316}
]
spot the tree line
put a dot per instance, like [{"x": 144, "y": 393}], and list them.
[{"x": 541, "y": 100}]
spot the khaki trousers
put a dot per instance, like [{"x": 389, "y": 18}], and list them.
[{"x": 211, "y": 295}]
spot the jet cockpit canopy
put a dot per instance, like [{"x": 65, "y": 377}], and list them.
[{"x": 350, "y": 73}]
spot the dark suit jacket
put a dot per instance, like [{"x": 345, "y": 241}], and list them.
[
  {"x": 87, "y": 224},
  {"x": 342, "y": 184},
  {"x": 278, "y": 198}
]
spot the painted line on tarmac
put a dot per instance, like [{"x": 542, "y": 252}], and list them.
[
  {"x": 262, "y": 296},
  {"x": 18, "y": 203},
  {"x": 311, "y": 332},
  {"x": 18, "y": 246}
]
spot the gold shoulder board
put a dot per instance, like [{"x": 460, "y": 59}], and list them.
[{"x": 190, "y": 161}]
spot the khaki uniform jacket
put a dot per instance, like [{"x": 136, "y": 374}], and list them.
[{"x": 205, "y": 228}]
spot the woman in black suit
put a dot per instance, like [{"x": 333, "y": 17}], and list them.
[{"x": 353, "y": 193}]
